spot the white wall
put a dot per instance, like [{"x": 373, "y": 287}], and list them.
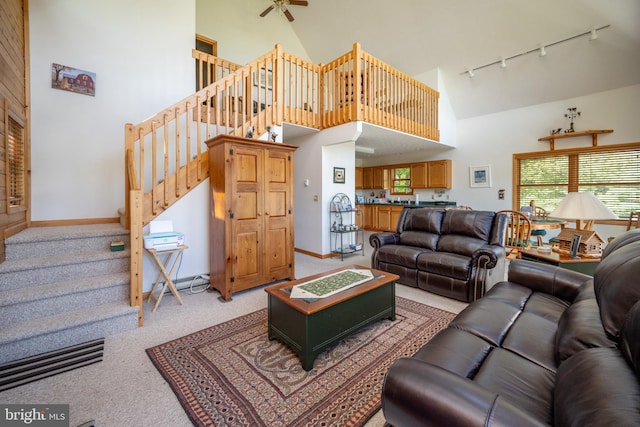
[
  {"x": 315, "y": 159},
  {"x": 492, "y": 139},
  {"x": 141, "y": 54}
]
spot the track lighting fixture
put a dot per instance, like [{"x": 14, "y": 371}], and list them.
[{"x": 542, "y": 50}]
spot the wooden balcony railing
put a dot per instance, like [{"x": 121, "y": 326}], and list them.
[{"x": 165, "y": 156}]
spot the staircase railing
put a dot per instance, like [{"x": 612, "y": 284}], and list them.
[{"x": 165, "y": 156}]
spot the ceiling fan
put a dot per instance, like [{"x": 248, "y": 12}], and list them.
[{"x": 282, "y": 5}]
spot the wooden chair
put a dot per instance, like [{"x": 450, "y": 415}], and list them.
[
  {"x": 634, "y": 220},
  {"x": 517, "y": 234}
]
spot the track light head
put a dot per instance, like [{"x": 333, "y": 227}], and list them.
[
  {"x": 503, "y": 63},
  {"x": 594, "y": 35},
  {"x": 543, "y": 51},
  {"x": 471, "y": 73}
]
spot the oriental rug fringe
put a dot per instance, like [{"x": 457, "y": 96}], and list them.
[{"x": 232, "y": 375}]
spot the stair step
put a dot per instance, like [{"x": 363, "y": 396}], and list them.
[
  {"x": 50, "y": 333},
  {"x": 32, "y": 302},
  {"x": 39, "y": 242},
  {"x": 31, "y": 272}
]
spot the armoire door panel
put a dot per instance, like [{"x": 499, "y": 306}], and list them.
[
  {"x": 247, "y": 166},
  {"x": 277, "y": 203},
  {"x": 247, "y": 253},
  {"x": 246, "y": 206},
  {"x": 277, "y": 169}
]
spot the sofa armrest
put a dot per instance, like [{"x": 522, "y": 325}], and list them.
[
  {"x": 488, "y": 256},
  {"x": 385, "y": 238},
  {"x": 557, "y": 281},
  {"x": 416, "y": 393}
]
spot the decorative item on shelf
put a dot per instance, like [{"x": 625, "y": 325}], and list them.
[
  {"x": 271, "y": 134},
  {"x": 555, "y": 131},
  {"x": 571, "y": 115},
  {"x": 249, "y": 132}
]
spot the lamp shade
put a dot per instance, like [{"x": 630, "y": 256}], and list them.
[{"x": 583, "y": 206}]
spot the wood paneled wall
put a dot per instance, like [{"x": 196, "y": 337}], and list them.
[{"x": 14, "y": 101}]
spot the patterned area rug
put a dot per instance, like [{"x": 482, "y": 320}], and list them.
[{"x": 232, "y": 375}]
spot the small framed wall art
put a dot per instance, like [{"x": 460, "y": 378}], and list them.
[
  {"x": 338, "y": 175},
  {"x": 72, "y": 79},
  {"x": 480, "y": 176}
]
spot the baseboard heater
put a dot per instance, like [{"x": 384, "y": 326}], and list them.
[{"x": 34, "y": 368}]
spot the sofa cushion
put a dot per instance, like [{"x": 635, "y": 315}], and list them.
[
  {"x": 421, "y": 239},
  {"x": 445, "y": 264},
  {"x": 525, "y": 385},
  {"x": 443, "y": 350},
  {"x": 492, "y": 316},
  {"x": 400, "y": 254},
  {"x": 580, "y": 328},
  {"x": 533, "y": 334},
  {"x": 423, "y": 219},
  {"x": 468, "y": 223},
  {"x": 596, "y": 387},
  {"x": 613, "y": 283}
]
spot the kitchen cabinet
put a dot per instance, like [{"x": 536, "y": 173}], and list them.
[
  {"x": 370, "y": 217},
  {"x": 439, "y": 174},
  {"x": 384, "y": 218},
  {"x": 396, "y": 211},
  {"x": 359, "y": 178},
  {"x": 431, "y": 174},
  {"x": 380, "y": 178},
  {"x": 359, "y": 218},
  {"x": 251, "y": 219},
  {"x": 419, "y": 175},
  {"x": 367, "y": 178}
]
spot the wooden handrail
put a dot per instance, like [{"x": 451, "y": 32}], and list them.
[{"x": 275, "y": 88}]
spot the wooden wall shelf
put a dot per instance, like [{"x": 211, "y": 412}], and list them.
[{"x": 594, "y": 136}]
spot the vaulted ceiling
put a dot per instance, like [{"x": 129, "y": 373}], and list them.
[{"x": 418, "y": 36}]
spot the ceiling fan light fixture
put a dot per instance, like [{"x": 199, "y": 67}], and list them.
[{"x": 281, "y": 5}]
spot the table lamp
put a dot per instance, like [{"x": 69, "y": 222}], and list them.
[{"x": 582, "y": 206}]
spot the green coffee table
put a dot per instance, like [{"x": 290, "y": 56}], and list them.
[{"x": 310, "y": 326}]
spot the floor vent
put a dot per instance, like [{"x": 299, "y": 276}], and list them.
[{"x": 34, "y": 368}]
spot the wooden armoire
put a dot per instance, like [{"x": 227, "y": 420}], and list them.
[{"x": 251, "y": 223}]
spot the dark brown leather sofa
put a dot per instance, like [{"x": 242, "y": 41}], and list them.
[
  {"x": 454, "y": 253},
  {"x": 547, "y": 347}
]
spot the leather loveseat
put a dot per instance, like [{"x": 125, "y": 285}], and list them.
[
  {"x": 547, "y": 347},
  {"x": 455, "y": 253}
]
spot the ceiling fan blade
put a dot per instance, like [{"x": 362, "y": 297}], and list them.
[
  {"x": 299, "y": 2},
  {"x": 267, "y": 10},
  {"x": 288, "y": 15}
]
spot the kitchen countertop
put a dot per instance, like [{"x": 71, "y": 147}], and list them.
[{"x": 412, "y": 204}]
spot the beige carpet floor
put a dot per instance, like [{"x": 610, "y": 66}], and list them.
[{"x": 125, "y": 389}]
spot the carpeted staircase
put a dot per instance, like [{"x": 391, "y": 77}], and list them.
[{"x": 62, "y": 286}]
